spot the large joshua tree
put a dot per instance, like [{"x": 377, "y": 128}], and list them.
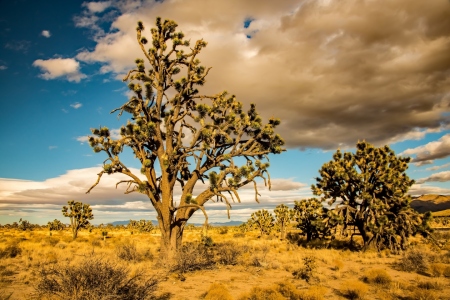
[
  {"x": 369, "y": 190},
  {"x": 182, "y": 137}
]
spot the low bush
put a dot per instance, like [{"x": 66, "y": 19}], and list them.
[
  {"x": 308, "y": 269},
  {"x": 289, "y": 291},
  {"x": 94, "y": 279},
  {"x": 430, "y": 285},
  {"x": 127, "y": 251},
  {"x": 10, "y": 251},
  {"x": 258, "y": 293},
  {"x": 378, "y": 276},
  {"x": 354, "y": 289},
  {"x": 437, "y": 269},
  {"x": 422, "y": 294},
  {"x": 414, "y": 261},
  {"x": 192, "y": 257},
  {"x": 228, "y": 253},
  {"x": 218, "y": 291}
]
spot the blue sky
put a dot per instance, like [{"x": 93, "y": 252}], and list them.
[{"x": 335, "y": 72}]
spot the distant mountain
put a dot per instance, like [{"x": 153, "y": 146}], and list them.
[
  {"x": 431, "y": 203},
  {"x": 215, "y": 224}
]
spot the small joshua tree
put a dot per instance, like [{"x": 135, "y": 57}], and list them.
[
  {"x": 369, "y": 189},
  {"x": 141, "y": 226},
  {"x": 312, "y": 218},
  {"x": 262, "y": 220},
  {"x": 55, "y": 225},
  {"x": 79, "y": 215},
  {"x": 283, "y": 215}
]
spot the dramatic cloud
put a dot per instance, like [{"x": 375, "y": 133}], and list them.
[
  {"x": 437, "y": 177},
  {"x": 76, "y": 105},
  {"x": 111, "y": 204},
  {"x": 46, "y": 33},
  {"x": 60, "y": 67},
  {"x": 334, "y": 71},
  {"x": 434, "y": 150}
]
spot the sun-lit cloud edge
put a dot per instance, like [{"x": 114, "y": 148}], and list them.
[{"x": 41, "y": 201}]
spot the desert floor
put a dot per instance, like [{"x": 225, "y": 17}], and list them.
[{"x": 239, "y": 265}]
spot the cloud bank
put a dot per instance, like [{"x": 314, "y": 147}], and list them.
[
  {"x": 334, "y": 71},
  {"x": 40, "y": 202}
]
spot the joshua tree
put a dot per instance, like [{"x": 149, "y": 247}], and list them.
[
  {"x": 313, "y": 219},
  {"x": 182, "y": 137},
  {"x": 262, "y": 220},
  {"x": 283, "y": 215},
  {"x": 369, "y": 190},
  {"x": 55, "y": 225},
  {"x": 79, "y": 215},
  {"x": 141, "y": 226}
]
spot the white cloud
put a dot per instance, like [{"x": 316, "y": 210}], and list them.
[
  {"x": 427, "y": 153},
  {"x": 422, "y": 189},
  {"x": 76, "y": 105},
  {"x": 3, "y": 67},
  {"x": 46, "y": 33},
  {"x": 110, "y": 203},
  {"x": 97, "y": 7},
  {"x": 437, "y": 177},
  {"x": 435, "y": 168},
  {"x": 60, "y": 67},
  {"x": 52, "y": 147},
  {"x": 82, "y": 139}
]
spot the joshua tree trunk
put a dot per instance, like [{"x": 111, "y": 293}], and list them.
[
  {"x": 171, "y": 240},
  {"x": 283, "y": 232}
]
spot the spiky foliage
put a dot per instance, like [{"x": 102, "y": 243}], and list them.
[
  {"x": 25, "y": 225},
  {"x": 141, "y": 226},
  {"x": 283, "y": 217},
  {"x": 314, "y": 220},
  {"x": 79, "y": 215},
  {"x": 369, "y": 190},
  {"x": 55, "y": 225},
  {"x": 187, "y": 136},
  {"x": 263, "y": 221}
]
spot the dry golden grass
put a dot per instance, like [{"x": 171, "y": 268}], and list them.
[{"x": 243, "y": 266}]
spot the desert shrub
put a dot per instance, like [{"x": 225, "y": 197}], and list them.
[
  {"x": 192, "y": 257},
  {"x": 127, "y": 251},
  {"x": 228, "y": 253},
  {"x": 258, "y": 293},
  {"x": 422, "y": 294},
  {"x": 51, "y": 241},
  {"x": 10, "y": 251},
  {"x": 308, "y": 269},
  {"x": 207, "y": 241},
  {"x": 446, "y": 271},
  {"x": 430, "y": 285},
  {"x": 94, "y": 279},
  {"x": 223, "y": 230},
  {"x": 218, "y": 291},
  {"x": 239, "y": 235},
  {"x": 377, "y": 276},
  {"x": 354, "y": 289},
  {"x": 5, "y": 296},
  {"x": 290, "y": 292},
  {"x": 414, "y": 261},
  {"x": 337, "y": 264},
  {"x": 437, "y": 269}
]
